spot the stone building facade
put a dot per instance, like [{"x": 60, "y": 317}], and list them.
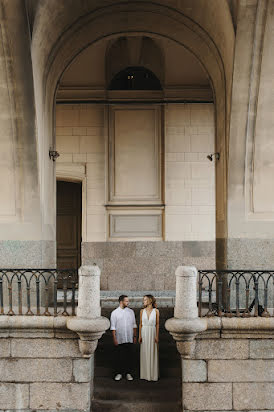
[
  {"x": 137, "y": 136},
  {"x": 213, "y": 63}
]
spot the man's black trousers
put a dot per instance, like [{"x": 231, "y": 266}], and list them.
[{"x": 124, "y": 358}]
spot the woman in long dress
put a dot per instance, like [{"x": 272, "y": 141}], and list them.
[{"x": 149, "y": 339}]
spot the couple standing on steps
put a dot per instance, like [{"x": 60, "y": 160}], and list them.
[{"x": 124, "y": 332}]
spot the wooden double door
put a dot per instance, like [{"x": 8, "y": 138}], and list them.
[{"x": 69, "y": 224}]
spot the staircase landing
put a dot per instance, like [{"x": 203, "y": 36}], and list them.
[{"x": 137, "y": 396}]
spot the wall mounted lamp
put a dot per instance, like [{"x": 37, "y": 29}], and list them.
[
  {"x": 210, "y": 156},
  {"x": 53, "y": 154}
]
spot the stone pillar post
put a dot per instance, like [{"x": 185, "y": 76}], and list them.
[
  {"x": 88, "y": 324},
  {"x": 186, "y": 324},
  {"x": 89, "y": 292},
  {"x": 186, "y": 293}
]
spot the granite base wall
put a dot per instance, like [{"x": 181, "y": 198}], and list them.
[
  {"x": 16, "y": 254},
  {"x": 145, "y": 265},
  {"x": 44, "y": 372},
  {"x": 250, "y": 253},
  {"x": 229, "y": 374}
]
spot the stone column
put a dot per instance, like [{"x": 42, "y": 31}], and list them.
[
  {"x": 186, "y": 324},
  {"x": 88, "y": 324},
  {"x": 186, "y": 293},
  {"x": 89, "y": 292},
  {"x": 249, "y": 191},
  {"x": 27, "y": 239}
]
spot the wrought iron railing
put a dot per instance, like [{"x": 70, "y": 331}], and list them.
[
  {"x": 240, "y": 293},
  {"x": 36, "y": 291},
  {"x": 53, "y": 292}
]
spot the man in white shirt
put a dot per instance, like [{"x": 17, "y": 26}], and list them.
[{"x": 124, "y": 333}]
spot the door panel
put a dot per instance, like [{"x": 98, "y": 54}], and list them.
[
  {"x": 67, "y": 262},
  {"x": 68, "y": 230}
]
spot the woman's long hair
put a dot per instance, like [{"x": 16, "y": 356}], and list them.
[{"x": 153, "y": 300}]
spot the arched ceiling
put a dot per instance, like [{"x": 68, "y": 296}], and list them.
[
  {"x": 179, "y": 68},
  {"x": 63, "y": 29},
  {"x": 50, "y": 19}
]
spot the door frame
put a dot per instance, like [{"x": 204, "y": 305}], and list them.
[{"x": 75, "y": 173}]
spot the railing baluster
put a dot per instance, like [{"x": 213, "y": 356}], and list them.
[
  {"x": 246, "y": 312},
  {"x": 256, "y": 296},
  {"x": 55, "y": 293},
  {"x": 19, "y": 282},
  {"x": 37, "y": 294},
  {"x": 1, "y": 294},
  {"x": 237, "y": 296},
  {"x": 200, "y": 295},
  {"x": 10, "y": 312},
  {"x": 265, "y": 313},
  {"x": 47, "y": 313},
  {"x": 210, "y": 306},
  {"x": 65, "y": 289},
  {"x": 229, "y": 313},
  {"x": 220, "y": 294},
  {"x": 73, "y": 296},
  {"x": 29, "y": 311}
]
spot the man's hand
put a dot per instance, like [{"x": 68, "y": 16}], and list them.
[
  {"x": 134, "y": 340},
  {"x": 114, "y": 338}
]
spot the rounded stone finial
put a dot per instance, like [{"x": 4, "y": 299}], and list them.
[
  {"x": 93, "y": 270},
  {"x": 186, "y": 291},
  {"x": 186, "y": 271}
]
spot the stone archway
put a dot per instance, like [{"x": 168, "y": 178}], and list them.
[{"x": 140, "y": 19}]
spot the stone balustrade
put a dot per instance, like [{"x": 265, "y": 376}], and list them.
[
  {"x": 186, "y": 324},
  {"x": 47, "y": 362},
  {"x": 88, "y": 324},
  {"x": 227, "y": 363}
]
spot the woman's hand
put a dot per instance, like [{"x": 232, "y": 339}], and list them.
[
  {"x": 156, "y": 340},
  {"x": 140, "y": 340}
]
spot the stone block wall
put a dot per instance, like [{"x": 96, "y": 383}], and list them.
[
  {"x": 189, "y": 175},
  {"x": 80, "y": 139},
  {"x": 189, "y": 223},
  {"x": 43, "y": 371},
  {"x": 230, "y": 374},
  {"x": 145, "y": 265},
  {"x": 189, "y": 184}
]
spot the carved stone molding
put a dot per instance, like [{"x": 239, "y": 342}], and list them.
[{"x": 89, "y": 332}]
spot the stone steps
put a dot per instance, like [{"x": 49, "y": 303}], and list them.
[
  {"x": 138, "y": 395},
  {"x": 165, "y": 337},
  {"x": 122, "y": 406},
  {"x": 166, "y": 351},
  {"x": 164, "y": 390},
  {"x": 165, "y": 363},
  {"x": 103, "y": 371}
]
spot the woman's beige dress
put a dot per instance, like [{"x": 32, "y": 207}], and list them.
[{"x": 149, "y": 363}]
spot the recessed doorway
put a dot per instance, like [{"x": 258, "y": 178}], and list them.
[{"x": 69, "y": 227}]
